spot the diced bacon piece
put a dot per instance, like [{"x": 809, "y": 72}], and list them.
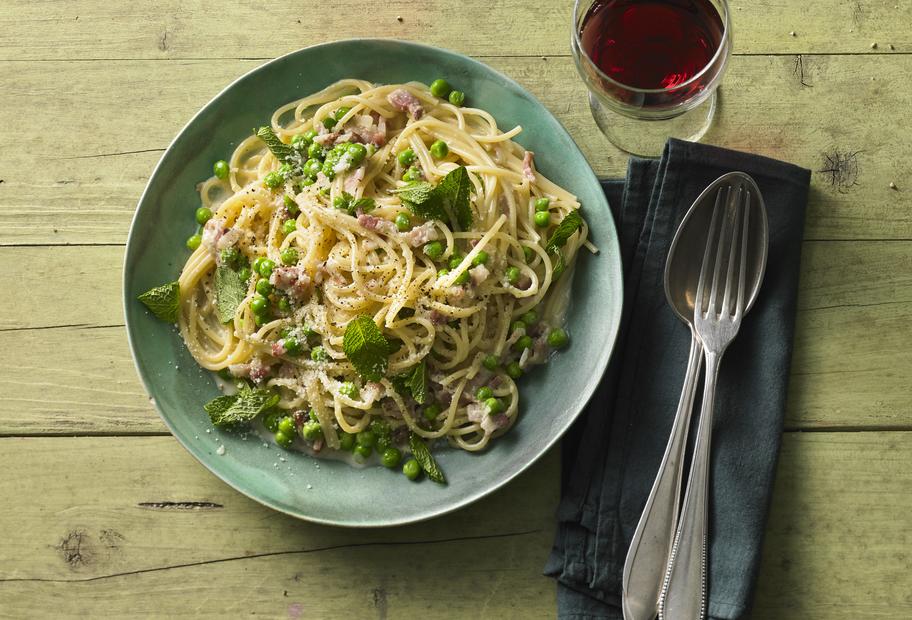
[
  {"x": 278, "y": 348},
  {"x": 404, "y": 101},
  {"x": 528, "y": 166},
  {"x": 437, "y": 318},
  {"x": 422, "y": 234},
  {"x": 475, "y": 412},
  {"x": 326, "y": 139},
  {"x": 292, "y": 280},
  {"x": 212, "y": 233},
  {"x": 479, "y": 274},
  {"x": 228, "y": 239},
  {"x": 321, "y": 274},
  {"x": 317, "y": 445},
  {"x": 259, "y": 370},
  {"x": 353, "y": 180},
  {"x": 377, "y": 224}
]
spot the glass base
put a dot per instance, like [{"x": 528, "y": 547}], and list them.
[{"x": 646, "y": 138}]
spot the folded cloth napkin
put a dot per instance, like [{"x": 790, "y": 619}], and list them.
[{"x": 613, "y": 452}]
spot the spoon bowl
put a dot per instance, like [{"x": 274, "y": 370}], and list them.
[{"x": 685, "y": 257}]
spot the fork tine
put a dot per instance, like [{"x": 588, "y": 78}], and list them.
[
  {"x": 732, "y": 252},
  {"x": 742, "y": 276},
  {"x": 707, "y": 253},
  {"x": 721, "y": 244}
]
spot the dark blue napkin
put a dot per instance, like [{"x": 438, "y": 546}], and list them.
[{"x": 612, "y": 454}]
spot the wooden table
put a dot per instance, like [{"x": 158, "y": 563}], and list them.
[{"x": 105, "y": 514}]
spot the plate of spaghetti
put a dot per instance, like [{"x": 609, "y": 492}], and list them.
[{"x": 370, "y": 282}]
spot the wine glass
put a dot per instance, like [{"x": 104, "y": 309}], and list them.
[{"x": 652, "y": 67}]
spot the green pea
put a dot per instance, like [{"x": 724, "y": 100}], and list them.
[
  {"x": 312, "y": 167},
  {"x": 403, "y": 222},
  {"x": 480, "y": 259},
  {"x": 432, "y": 411},
  {"x": 315, "y": 151},
  {"x": 391, "y": 457},
  {"x": 484, "y": 393},
  {"x": 513, "y": 370},
  {"x": 455, "y": 260},
  {"x": 530, "y": 317},
  {"x": 287, "y": 426},
  {"x": 406, "y": 158},
  {"x": 300, "y": 142},
  {"x": 284, "y": 441},
  {"x": 411, "y": 469},
  {"x": 203, "y": 215},
  {"x": 289, "y": 226},
  {"x": 292, "y": 346},
  {"x": 542, "y": 219},
  {"x": 285, "y": 170},
  {"x": 493, "y": 406},
  {"x": 259, "y": 305},
  {"x": 283, "y": 304},
  {"x": 221, "y": 169},
  {"x": 329, "y": 122},
  {"x": 230, "y": 257},
  {"x": 257, "y": 263},
  {"x": 271, "y": 421},
  {"x": 558, "y": 338},
  {"x": 513, "y": 275},
  {"x": 457, "y": 98},
  {"x": 440, "y": 88},
  {"x": 528, "y": 253},
  {"x": 440, "y": 149},
  {"x": 517, "y": 325},
  {"x": 308, "y": 181},
  {"x": 363, "y": 451},
  {"x": 356, "y": 153},
  {"x": 262, "y": 318},
  {"x": 442, "y": 272},
  {"x": 319, "y": 354},
  {"x": 194, "y": 241},
  {"x": 244, "y": 274},
  {"x": 524, "y": 342},
  {"x": 542, "y": 204},
  {"x": 266, "y": 267},
  {"x": 346, "y": 441},
  {"x": 311, "y": 431},
  {"x": 433, "y": 250},
  {"x": 263, "y": 287},
  {"x": 462, "y": 278},
  {"x": 490, "y": 362},
  {"x": 273, "y": 180},
  {"x": 289, "y": 256},
  {"x": 412, "y": 174},
  {"x": 310, "y": 134},
  {"x": 349, "y": 389},
  {"x": 290, "y": 204},
  {"x": 366, "y": 438},
  {"x": 340, "y": 112}
]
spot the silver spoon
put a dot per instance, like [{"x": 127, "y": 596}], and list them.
[{"x": 650, "y": 548}]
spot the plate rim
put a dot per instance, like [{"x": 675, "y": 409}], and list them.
[{"x": 462, "y": 502}]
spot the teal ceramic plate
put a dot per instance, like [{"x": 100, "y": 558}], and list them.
[{"x": 331, "y": 491}]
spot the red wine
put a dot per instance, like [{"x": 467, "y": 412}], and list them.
[{"x": 652, "y": 44}]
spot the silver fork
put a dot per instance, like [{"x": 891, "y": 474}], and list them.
[{"x": 716, "y": 321}]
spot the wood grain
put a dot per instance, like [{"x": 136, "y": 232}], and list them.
[
  {"x": 91, "y": 29},
  {"x": 107, "y": 550},
  {"x": 78, "y": 180},
  {"x": 852, "y": 363}
]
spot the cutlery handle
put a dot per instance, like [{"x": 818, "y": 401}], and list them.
[
  {"x": 684, "y": 592},
  {"x": 651, "y": 544}
]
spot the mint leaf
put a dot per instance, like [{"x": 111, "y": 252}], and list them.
[
  {"x": 281, "y": 150},
  {"x": 423, "y": 456},
  {"x": 236, "y": 409},
  {"x": 417, "y": 192},
  {"x": 366, "y": 348},
  {"x": 417, "y": 383},
  {"x": 230, "y": 291},
  {"x": 454, "y": 191},
  {"x": 163, "y": 301},
  {"x": 349, "y": 203},
  {"x": 569, "y": 225}
]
